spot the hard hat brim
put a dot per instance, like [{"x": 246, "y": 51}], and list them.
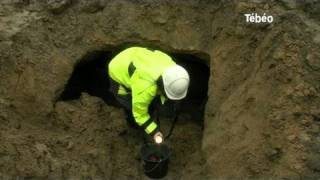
[{"x": 172, "y": 97}]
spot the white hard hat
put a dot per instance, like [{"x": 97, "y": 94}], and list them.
[{"x": 176, "y": 82}]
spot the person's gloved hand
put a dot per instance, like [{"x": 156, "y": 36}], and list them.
[{"x": 158, "y": 137}]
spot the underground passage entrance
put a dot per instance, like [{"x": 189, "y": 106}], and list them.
[{"x": 90, "y": 75}]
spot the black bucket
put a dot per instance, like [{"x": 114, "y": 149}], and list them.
[{"x": 156, "y": 160}]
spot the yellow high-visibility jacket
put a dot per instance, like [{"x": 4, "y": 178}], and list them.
[{"x": 149, "y": 66}]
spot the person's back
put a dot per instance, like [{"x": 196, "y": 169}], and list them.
[
  {"x": 150, "y": 64},
  {"x": 139, "y": 75}
]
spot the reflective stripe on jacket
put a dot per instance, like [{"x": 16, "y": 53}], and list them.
[{"x": 149, "y": 66}]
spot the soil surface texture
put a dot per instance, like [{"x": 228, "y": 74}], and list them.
[{"x": 253, "y": 110}]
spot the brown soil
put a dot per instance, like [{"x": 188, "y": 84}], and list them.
[{"x": 261, "y": 119}]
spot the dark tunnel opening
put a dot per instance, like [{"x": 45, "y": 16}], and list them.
[
  {"x": 90, "y": 75},
  {"x": 199, "y": 74}
]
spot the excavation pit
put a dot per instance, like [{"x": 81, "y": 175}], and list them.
[
  {"x": 262, "y": 114},
  {"x": 90, "y": 76}
]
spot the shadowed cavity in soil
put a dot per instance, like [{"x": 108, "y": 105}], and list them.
[{"x": 90, "y": 75}]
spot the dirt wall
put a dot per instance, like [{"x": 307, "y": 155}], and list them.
[{"x": 262, "y": 114}]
